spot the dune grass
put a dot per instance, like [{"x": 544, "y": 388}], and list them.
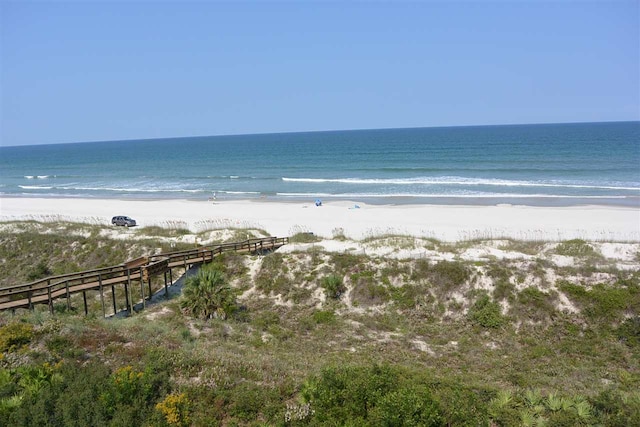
[{"x": 453, "y": 342}]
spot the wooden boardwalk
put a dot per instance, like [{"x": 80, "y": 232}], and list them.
[{"x": 131, "y": 274}]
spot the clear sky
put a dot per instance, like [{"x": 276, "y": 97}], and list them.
[{"x": 89, "y": 71}]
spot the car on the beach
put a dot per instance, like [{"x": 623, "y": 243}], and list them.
[{"x": 123, "y": 221}]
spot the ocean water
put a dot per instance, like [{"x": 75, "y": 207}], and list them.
[{"x": 550, "y": 164}]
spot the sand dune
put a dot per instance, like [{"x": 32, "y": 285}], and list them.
[{"x": 445, "y": 222}]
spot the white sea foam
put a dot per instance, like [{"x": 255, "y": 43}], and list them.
[
  {"x": 454, "y": 181},
  {"x": 128, "y": 190},
  {"x": 35, "y": 187},
  {"x": 239, "y": 192},
  {"x": 423, "y": 195}
]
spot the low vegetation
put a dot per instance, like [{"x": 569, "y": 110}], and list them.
[{"x": 310, "y": 338}]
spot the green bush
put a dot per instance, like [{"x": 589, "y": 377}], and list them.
[
  {"x": 460, "y": 405},
  {"x": 248, "y": 401},
  {"x": 333, "y": 286},
  {"x": 602, "y": 301},
  {"x": 323, "y": 316},
  {"x": 407, "y": 407},
  {"x": 59, "y": 345},
  {"x": 343, "y": 262},
  {"x": 157, "y": 231},
  {"x": 378, "y": 395},
  {"x": 405, "y": 296},
  {"x": 74, "y": 401},
  {"x": 629, "y": 331},
  {"x": 367, "y": 290},
  {"x": 486, "y": 313},
  {"x": 535, "y": 304},
  {"x": 264, "y": 321},
  {"x": 15, "y": 335},
  {"x": 576, "y": 248},
  {"x": 272, "y": 276},
  {"x": 39, "y": 271},
  {"x": 303, "y": 238},
  {"x": 207, "y": 295},
  {"x": 445, "y": 275},
  {"x": 616, "y": 408}
]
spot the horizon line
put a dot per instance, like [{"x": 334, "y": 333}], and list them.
[{"x": 317, "y": 131}]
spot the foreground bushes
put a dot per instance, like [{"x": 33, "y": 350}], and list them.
[
  {"x": 373, "y": 396},
  {"x": 69, "y": 394}
]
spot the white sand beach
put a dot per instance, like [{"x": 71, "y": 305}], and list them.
[{"x": 444, "y": 222}]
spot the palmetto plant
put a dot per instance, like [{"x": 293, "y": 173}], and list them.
[
  {"x": 503, "y": 400},
  {"x": 554, "y": 403},
  {"x": 533, "y": 397},
  {"x": 207, "y": 295}
]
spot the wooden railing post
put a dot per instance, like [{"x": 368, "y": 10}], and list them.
[
  {"x": 127, "y": 289},
  {"x": 166, "y": 289},
  {"x": 142, "y": 288},
  {"x": 50, "y": 301},
  {"x": 113, "y": 298},
  {"x": 104, "y": 310},
  {"x": 66, "y": 285}
]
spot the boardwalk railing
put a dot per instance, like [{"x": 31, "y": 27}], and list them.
[{"x": 140, "y": 270}]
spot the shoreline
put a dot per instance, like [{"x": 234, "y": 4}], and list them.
[
  {"x": 390, "y": 200},
  {"x": 356, "y": 220}
]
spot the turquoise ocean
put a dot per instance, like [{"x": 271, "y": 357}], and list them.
[{"x": 547, "y": 164}]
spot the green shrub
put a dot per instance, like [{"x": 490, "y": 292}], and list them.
[
  {"x": 378, "y": 395},
  {"x": 604, "y": 301},
  {"x": 576, "y": 292},
  {"x": 629, "y": 331},
  {"x": 323, "y": 316},
  {"x": 445, "y": 275},
  {"x": 535, "y": 304},
  {"x": 173, "y": 230},
  {"x": 503, "y": 289},
  {"x": 486, "y": 313},
  {"x": 410, "y": 406},
  {"x": 616, "y": 408},
  {"x": 73, "y": 401},
  {"x": 247, "y": 401},
  {"x": 265, "y": 320},
  {"x": 15, "y": 335},
  {"x": 59, "y": 345},
  {"x": 333, "y": 286},
  {"x": 343, "y": 262},
  {"x": 207, "y": 295},
  {"x": 39, "y": 271},
  {"x": 303, "y": 238},
  {"x": 272, "y": 275},
  {"x": 576, "y": 248},
  {"x": 461, "y": 405},
  {"x": 405, "y": 296},
  {"x": 370, "y": 293}
]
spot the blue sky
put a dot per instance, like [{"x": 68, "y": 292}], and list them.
[{"x": 90, "y": 71}]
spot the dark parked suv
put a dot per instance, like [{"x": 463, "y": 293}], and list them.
[{"x": 123, "y": 220}]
